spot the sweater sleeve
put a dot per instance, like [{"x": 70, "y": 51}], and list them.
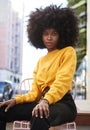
[
  {"x": 34, "y": 94},
  {"x": 63, "y": 80}
]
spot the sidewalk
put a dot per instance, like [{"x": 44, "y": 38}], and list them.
[{"x": 9, "y": 126}]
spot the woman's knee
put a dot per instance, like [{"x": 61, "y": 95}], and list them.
[{"x": 39, "y": 123}]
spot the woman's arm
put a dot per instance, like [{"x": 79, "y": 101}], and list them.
[
  {"x": 34, "y": 94},
  {"x": 64, "y": 77}
]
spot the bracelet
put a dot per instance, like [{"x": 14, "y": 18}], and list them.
[{"x": 46, "y": 101}]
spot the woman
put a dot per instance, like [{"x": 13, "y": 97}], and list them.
[{"x": 49, "y": 103}]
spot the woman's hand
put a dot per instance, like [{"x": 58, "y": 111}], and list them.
[
  {"x": 9, "y": 103},
  {"x": 41, "y": 109}
]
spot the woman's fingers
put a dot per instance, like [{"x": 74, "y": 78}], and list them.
[
  {"x": 36, "y": 111},
  {"x": 9, "y": 103},
  {"x": 42, "y": 109},
  {"x": 46, "y": 112},
  {"x": 7, "y": 108},
  {"x": 3, "y": 103},
  {"x": 41, "y": 112}
]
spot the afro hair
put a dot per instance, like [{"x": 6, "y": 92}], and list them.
[{"x": 63, "y": 20}]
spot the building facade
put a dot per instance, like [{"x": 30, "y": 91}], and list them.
[
  {"x": 11, "y": 43},
  {"x": 82, "y": 8},
  {"x": 88, "y": 48}
]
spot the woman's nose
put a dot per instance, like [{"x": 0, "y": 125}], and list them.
[{"x": 49, "y": 37}]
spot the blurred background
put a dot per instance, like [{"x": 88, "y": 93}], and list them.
[{"x": 18, "y": 58}]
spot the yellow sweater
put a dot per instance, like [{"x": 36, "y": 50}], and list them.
[{"x": 56, "y": 70}]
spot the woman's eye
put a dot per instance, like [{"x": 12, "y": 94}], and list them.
[{"x": 55, "y": 33}]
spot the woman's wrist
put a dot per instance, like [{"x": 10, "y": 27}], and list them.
[{"x": 45, "y": 101}]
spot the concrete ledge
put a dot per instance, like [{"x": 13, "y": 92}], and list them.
[
  {"x": 83, "y": 119},
  {"x": 83, "y": 109},
  {"x": 83, "y": 127}
]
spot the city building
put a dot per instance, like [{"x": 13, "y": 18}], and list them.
[
  {"x": 11, "y": 43},
  {"x": 88, "y": 49},
  {"x": 80, "y": 7}
]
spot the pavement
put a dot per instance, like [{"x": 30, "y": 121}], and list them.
[{"x": 9, "y": 126}]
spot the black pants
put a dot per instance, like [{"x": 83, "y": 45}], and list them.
[{"x": 61, "y": 112}]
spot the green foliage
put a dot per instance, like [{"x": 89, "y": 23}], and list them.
[
  {"x": 72, "y": 2},
  {"x": 81, "y": 45}
]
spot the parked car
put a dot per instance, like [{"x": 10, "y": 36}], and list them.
[{"x": 6, "y": 90}]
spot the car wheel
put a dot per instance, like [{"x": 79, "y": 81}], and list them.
[{"x": 6, "y": 96}]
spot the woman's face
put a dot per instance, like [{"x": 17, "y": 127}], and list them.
[{"x": 50, "y": 38}]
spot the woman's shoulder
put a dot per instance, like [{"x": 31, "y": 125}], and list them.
[{"x": 68, "y": 49}]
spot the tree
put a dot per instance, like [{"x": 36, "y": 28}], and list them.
[{"x": 81, "y": 12}]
